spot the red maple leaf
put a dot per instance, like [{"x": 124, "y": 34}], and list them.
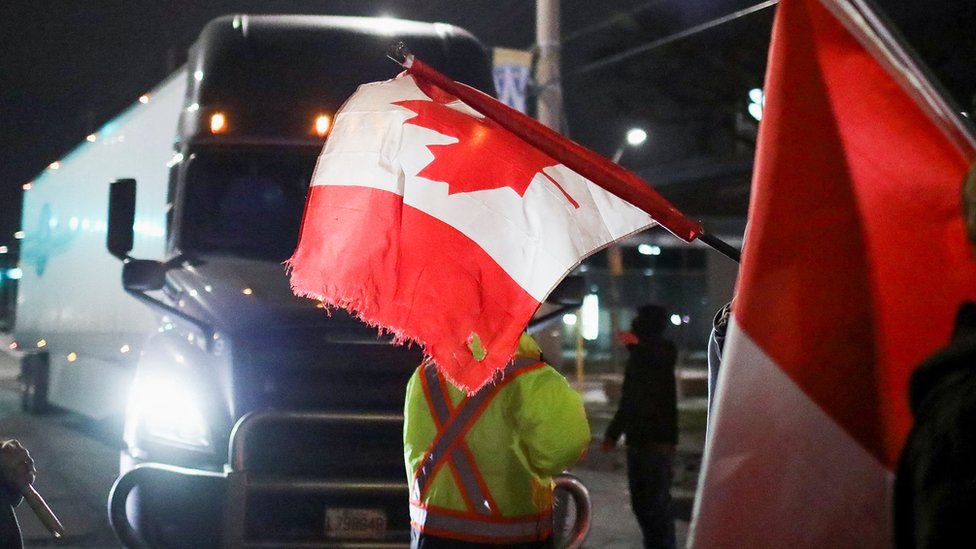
[{"x": 486, "y": 156}]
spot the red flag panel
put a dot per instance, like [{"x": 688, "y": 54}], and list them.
[{"x": 855, "y": 244}]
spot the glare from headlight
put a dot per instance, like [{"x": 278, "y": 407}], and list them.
[{"x": 167, "y": 409}]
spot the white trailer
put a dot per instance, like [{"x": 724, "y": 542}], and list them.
[{"x": 70, "y": 302}]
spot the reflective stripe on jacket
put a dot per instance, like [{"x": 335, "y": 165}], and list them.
[{"x": 480, "y": 467}]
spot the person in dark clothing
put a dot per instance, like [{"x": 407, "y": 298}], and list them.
[
  {"x": 16, "y": 472},
  {"x": 935, "y": 483},
  {"x": 648, "y": 416}
]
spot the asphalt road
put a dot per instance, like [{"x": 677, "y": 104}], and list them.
[{"x": 77, "y": 462}]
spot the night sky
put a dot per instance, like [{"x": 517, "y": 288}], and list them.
[{"x": 66, "y": 67}]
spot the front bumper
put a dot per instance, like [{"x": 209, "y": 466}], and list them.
[{"x": 249, "y": 504}]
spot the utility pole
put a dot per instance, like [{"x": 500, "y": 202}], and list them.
[
  {"x": 549, "y": 99},
  {"x": 549, "y": 107}
]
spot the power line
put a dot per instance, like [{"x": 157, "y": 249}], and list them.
[
  {"x": 644, "y": 48},
  {"x": 610, "y": 21}
]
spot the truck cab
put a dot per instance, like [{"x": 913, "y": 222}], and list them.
[{"x": 211, "y": 169}]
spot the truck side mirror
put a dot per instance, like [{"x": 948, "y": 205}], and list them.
[
  {"x": 121, "y": 217},
  {"x": 143, "y": 275}
]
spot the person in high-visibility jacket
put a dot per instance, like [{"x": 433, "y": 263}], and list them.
[{"x": 480, "y": 467}]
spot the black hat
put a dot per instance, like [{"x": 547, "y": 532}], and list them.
[{"x": 651, "y": 320}]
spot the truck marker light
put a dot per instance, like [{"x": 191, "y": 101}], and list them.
[
  {"x": 124, "y": 349},
  {"x": 72, "y": 356},
  {"x": 91, "y": 138},
  {"x": 144, "y": 98},
  {"x": 13, "y": 346},
  {"x": 19, "y": 235},
  {"x": 247, "y": 291},
  {"x": 41, "y": 343},
  {"x": 54, "y": 165},
  {"x": 218, "y": 123},
  {"x": 323, "y": 123},
  {"x": 194, "y": 107},
  {"x": 27, "y": 186}
]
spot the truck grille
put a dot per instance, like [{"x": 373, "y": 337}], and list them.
[
  {"x": 338, "y": 371},
  {"x": 340, "y": 451},
  {"x": 358, "y": 479},
  {"x": 345, "y": 369}
]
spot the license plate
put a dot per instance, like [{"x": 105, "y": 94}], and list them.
[{"x": 355, "y": 523}]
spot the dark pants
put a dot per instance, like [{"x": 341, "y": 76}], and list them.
[
  {"x": 649, "y": 476},
  {"x": 9, "y": 529},
  {"x": 426, "y": 541}
]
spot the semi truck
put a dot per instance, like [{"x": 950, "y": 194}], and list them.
[{"x": 153, "y": 286}]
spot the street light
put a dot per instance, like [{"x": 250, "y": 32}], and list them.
[{"x": 635, "y": 138}]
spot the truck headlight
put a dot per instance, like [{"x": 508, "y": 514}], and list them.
[{"x": 164, "y": 409}]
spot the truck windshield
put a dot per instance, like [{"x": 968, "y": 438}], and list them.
[{"x": 245, "y": 203}]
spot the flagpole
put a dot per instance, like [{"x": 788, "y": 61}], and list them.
[
  {"x": 721, "y": 246},
  {"x": 601, "y": 171}
]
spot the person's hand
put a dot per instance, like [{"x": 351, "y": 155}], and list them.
[
  {"x": 16, "y": 465},
  {"x": 609, "y": 444}
]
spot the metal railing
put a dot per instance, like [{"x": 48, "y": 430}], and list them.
[
  {"x": 582, "y": 506},
  {"x": 150, "y": 474}
]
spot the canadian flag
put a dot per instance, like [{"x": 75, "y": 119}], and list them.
[
  {"x": 435, "y": 223},
  {"x": 855, "y": 263}
]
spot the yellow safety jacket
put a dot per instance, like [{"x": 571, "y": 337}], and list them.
[{"x": 480, "y": 467}]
